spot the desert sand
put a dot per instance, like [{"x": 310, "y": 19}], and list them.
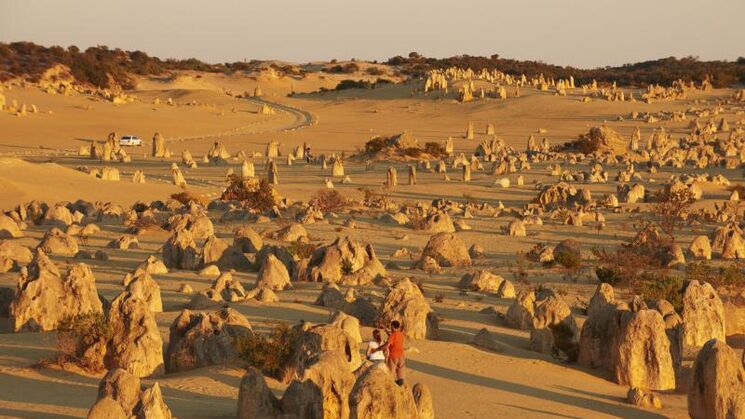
[{"x": 40, "y": 161}]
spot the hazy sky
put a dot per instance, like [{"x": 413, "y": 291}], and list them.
[{"x": 584, "y": 33}]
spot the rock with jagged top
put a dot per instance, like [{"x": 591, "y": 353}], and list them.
[
  {"x": 313, "y": 340},
  {"x": 144, "y": 286},
  {"x": 641, "y": 352},
  {"x": 554, "y": 328},
  {"x": 406, "y": 303},
  {"x": 446, "y": 249},
  {"x": 57, "y": 242},
  {"x": 323, "y": 389},
  {"x": 135, "y": 345},
  {"x": 201, "y": 339},
  {"x": 120, "y": 395},
  {"x": 44, "y": 298},
  {"x": 520, "y": 314},
  {"x": 717, "y": 388},
  {"x": 273, "y": 275},
  {"x": 376, "y": 395},
  {"x": 703, "y": 317},
  {"x": 180, "y": 251},
  {"x": 345, "y": 261}
]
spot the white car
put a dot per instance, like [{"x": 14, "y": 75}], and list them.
[{"x": 130, "y": 140}]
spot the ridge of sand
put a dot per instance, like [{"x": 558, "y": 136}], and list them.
[{"x": 22, "y": 181}]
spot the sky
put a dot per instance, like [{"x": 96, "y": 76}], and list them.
[{"x": 581, "y": 33}]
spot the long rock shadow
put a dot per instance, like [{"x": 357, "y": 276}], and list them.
[{"x": 468, "y": 378}]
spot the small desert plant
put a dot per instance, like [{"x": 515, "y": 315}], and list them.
[
  {"x": 186, "y": 197},
  {"x": 417, "y": 220},
  {"x": 376, "y": 144},
  {"x": 670, "y": 207},
  {"x": 376, "y": 198},
  {"x": 374, "y": 71},
  {"x": 626, "y": 263},
  {"x": 255, "y": 195},
  {"x": 271, "y": 353},
  {"x": 328, "y": 200},
  {"x": 568, "y": 260},
  {"x": 301, "y": 249},
  {"x": 412, "y": 152},
  {"x": 731, "y": 275},
  {"x": 81, "y": 340},
  {"x": 434, "y": 149},
  {"x": 658, "y": 286}
]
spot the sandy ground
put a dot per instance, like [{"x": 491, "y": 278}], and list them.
[{"x": 466, "y": 381}]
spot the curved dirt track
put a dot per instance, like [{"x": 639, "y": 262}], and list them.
[{"x": 301, "y": 119}]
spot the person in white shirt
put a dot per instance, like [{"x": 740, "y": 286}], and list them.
[{"x": 374, "y": 353}]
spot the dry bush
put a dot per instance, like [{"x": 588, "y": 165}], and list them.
[
  {"x": 256, "y": 195},
  {"x": 418, "y": 220},
  {"x": 434, "y": 149},
  {"x": 376, "y": 144},
  {"x": 186, "y": 197},
  {"x": 271, "y": 354},
  {"x": 730, "y": 276},
  {"x": 584, "y": 144},
  {"x": 654, "y": 286},
  {"x": 328, "y": 200},
  {"x": 626, "y": 264},
  {"x": 81, "y": 341},
  {"x": 669, "y": 209},
  {"x": 376, "y": 198},
  {"x": 301, "y": 249}
]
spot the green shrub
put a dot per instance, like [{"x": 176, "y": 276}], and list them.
[
  {"x": 374, "y": 71},
  {"x": 81, "y": 340},
  {"x": 434, "y": 149},
  {"x": 608, "y": 275},
  {"x": 569, "y": 260},
  {"x": 731, "y": 275},
  {"x": 256, "y": 195},
  {"x": 656, "y": 286},
  {"x": 376, "y": 145},
  {"x": 328, "y": 200},
  {"x": 301, "y": 249},
  {"x": 272, "y": 353},
  {"x": 412, "y": 152}
]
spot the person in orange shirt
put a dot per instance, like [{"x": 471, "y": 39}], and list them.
[{"x": 395, "y": 347}]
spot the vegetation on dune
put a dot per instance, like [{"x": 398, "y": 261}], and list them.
[
  {"x": 270, "y": 353},
  {"x": 663, "y": 71},
  {"x": 103, "y": 67}
]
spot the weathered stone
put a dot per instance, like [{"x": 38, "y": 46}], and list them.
[
  {"x": 44, "y": 299},
  {"x": 447, "y": 249},
  {"x": 376, "y": 395},
  {"x": 201, "y": 339},
  {"x": 57, "y": 242},
  {"x": 643, "y": 352},
  {"x": 136, "y": 345},
  {"x": 520, "y": 313},
  {"x": 345, "y": 261},
  {"x": 717, "y": 388},
  {"x": 273, "y": 275},
  {"x": 406, "y": 303},
  {"x": 703, "y": 317}
]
